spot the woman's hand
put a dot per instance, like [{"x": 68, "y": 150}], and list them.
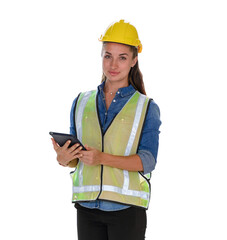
[
  {"x": 91, "y": 157},
  {"x": 94, "y": 157},
  {"x": 65, "y": 154}
]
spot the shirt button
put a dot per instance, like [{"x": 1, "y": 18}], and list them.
[
  {"x": 105, "y": 113},
  {"x": 118, "y": 92},
  {"x": 114, "y": 100}
]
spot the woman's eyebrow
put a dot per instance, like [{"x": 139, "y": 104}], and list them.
[{"x": 123, "y": 54}]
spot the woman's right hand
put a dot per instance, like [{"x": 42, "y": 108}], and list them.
[{"x": 65, "y": 154}]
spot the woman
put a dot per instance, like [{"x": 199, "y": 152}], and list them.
[{"x": 120, "y": 127}]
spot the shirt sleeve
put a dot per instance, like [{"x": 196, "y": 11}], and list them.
[
  {"x": 72, "y": 125},
  {"x": 149, "y": 143}
]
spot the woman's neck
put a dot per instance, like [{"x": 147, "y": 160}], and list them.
[{"x": 112, "y": 87}]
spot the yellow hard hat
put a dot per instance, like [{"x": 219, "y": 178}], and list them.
[{"x": 122, "y": 32}]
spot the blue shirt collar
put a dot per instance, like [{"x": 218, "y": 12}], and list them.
[{"x": 125, "y": 91}]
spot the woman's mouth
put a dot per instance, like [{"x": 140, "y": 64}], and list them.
[{"x": 112, "y": 73}]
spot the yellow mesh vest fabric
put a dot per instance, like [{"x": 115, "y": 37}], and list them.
[{"x": 121, "y": 138}]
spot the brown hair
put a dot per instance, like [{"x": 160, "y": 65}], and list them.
[{"x": 135, "y": 77}]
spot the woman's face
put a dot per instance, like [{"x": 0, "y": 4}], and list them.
[{"x": 117, "y": 60}]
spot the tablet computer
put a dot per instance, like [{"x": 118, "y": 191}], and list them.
[{"x": 61, "y": 139}]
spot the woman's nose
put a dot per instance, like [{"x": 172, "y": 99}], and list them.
[{"x": 114, "y": 64}]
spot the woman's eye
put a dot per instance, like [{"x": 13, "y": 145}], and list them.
[
  {"x": 123, "y": 58},
  {"x": 107, "y": 56}
]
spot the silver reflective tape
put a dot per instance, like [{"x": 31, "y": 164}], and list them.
[
  {"x": 79, "y": 116},
  {"x": 126, "y": 180},
  {"x": 108, "y": 188},
  {"x": 141, "y": 194},
  {"x": 80, "y": 173},
  {"x": 95, "y": 188},
  {"x": 135, "y": 125}
]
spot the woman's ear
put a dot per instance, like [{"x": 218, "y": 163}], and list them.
[{"x": 134, "y": 61}]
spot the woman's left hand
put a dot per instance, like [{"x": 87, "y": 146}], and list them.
[{"x": 91, "y": 157}]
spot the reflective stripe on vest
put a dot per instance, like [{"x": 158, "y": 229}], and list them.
[
  {"x": 131, "y": 139},
  {"x": 79, "y": 129},
  {"x": 92, "y": 182}
]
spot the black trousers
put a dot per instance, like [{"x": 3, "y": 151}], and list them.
[{"x": 128, "y": 224}]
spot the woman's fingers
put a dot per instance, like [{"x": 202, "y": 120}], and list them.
[
  {"x": 65, "y": 154},
  {"x": 74, "y": 147},
  {"x": 75, "y": 150},
  {"x": 66, "y": 145},
  {"x": 55, "y": 145}
]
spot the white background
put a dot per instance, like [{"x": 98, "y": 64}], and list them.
[{"x": 49, "y": 52}]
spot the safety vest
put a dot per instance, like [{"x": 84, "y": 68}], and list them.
[{"x": 121, "y": 138}]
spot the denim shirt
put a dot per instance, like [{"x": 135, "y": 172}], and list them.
[{"x": 148, "y": 146}]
